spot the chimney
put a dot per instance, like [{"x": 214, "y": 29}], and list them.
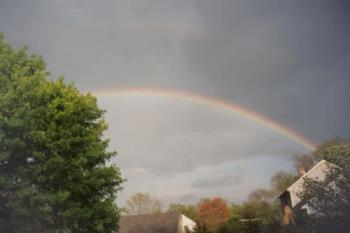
[{"x": 301, "y": 171}]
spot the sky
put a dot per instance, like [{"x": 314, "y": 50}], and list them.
[{"x": 286, "y": 60}]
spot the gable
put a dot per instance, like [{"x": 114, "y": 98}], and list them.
[{"x": 318, "y": 172}]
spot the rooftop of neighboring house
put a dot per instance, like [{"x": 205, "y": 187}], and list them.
[
  {"x": 153, "y": 223},
  {"x": 318, "y": 172}
]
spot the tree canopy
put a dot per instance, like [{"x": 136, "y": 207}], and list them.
[
  {"x": 189, "y": 211},
  {"x": 212, "y": 213},
  {"x": 143, "y": 203},
  {"x": 281, "y": 180},
  {"x": 54, "y": 170}
]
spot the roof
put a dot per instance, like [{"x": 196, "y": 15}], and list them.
[
  {"x": 318, "y": 172},
  {"x": 153, "y": 223}
]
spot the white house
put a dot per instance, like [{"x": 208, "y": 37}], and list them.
[{"x": 290, "y": 199}]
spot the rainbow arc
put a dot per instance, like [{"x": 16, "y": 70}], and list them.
[{"x": 212, "y": 102}]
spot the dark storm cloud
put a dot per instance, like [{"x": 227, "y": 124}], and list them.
[{"x": 289, "y": 60}]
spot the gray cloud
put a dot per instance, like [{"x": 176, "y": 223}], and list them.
[
  {"x": 218, "y": 180},
  {"x": 170, "y": 136},
  {"x": 188, "y": 198},
  {"x": 289, "y": 61}
]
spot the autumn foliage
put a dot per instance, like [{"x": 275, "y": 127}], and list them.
[{"x": 213, "y": 213}]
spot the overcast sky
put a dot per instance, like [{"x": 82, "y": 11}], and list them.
[{"x": 287, "y": 60}]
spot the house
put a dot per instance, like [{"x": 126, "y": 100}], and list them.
[
  {"x": 171, "y": 222},
  {"x": 290, "y": 199}
]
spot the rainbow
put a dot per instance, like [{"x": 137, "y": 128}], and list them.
[{"x": 213, "y": 103}]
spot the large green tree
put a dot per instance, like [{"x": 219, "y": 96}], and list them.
[{"x": 54, "y": 170}]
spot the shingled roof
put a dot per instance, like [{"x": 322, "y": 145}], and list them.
[{"x": 154, "y": 223}]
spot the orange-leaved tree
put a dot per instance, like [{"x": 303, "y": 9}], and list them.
[{"x": 213, "y": 213}]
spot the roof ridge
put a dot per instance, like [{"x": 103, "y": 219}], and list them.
[{"x": 307, "y": 173}]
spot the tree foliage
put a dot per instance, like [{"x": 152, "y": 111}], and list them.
[
  {"x": 189, "y": 211},
  {"x": 200, "y": 228},
  {"x": 212, "y": 213},
  {"x": 261, "y": 195},
  {"x": 253, "y": 216},
  {"x": 304, "y": 161},
  {"x": 329, "y": 200},
  {"x": 53, "y": 171},
  {"x": 282, "y": 180},
  {"x": 143, "y": 203},
  {"x": 233, "y": 225}
]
